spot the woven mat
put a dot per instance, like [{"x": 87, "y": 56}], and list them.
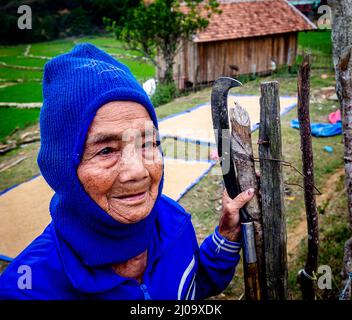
[{"x": 196, "y": 124}]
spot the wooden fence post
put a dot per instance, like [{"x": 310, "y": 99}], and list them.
[
  {"x": 272, "y": 193},
  {"x": 242, "y": 156},
  {"x": 306, "y": 276}
]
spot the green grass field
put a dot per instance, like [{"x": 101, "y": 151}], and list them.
[
  {"x": 23, "y": 61},
  {"x": 17, "y": 85},
  {"x": 319, "y": 40},
  {"x": 22, "y": 92},
  {"x": 30, "y": 91},
  {"x": 12, "y": 50},
  {"x": 318, "y": 44},
  {"x": 11, "y": 119},
  {"x": 111, "y": 45},
  {"x": 51, "y": 48},
  {"x": 8, "y": 75}
]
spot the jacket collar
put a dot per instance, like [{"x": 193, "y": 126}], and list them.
[{"x": 170, "y": 224}]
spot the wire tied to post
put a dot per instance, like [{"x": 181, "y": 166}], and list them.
[
  {"x": 247, "y": 157},
  {"x": 308, "y": 276}
]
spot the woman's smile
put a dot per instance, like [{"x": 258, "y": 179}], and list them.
[
  {"x": 121, "y": 169},
  {"x": 133, "y": 199}
]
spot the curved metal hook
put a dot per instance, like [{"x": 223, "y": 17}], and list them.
[{"x": 222, "y": 133}]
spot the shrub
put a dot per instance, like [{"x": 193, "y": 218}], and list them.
[{"x": 164, "y": 93}]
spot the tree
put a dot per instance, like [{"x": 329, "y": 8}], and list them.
[
  {"x": 161, "y": 26},
  {"x": 341, "y": 36},
  {"x": 60, "y": 18},
  {"x": 342, "y": 55}
]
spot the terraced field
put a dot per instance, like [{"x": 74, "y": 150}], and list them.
[{"x": 21, "y": 71}]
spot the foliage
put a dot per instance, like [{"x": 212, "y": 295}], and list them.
[
  {"x": 60, "y": 18},
  {"x": 77, "y": 22},
  {"x": 164, "y": 93},
  {"x": 142, "y": 71},
  {"x": 161, "y": 26}
]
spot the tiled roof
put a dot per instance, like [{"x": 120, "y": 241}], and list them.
[{"x": 243, "y": 19}]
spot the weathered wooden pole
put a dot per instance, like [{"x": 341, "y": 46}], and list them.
[
  {"x": 242, "y": 156},
  {"x": 306, "y": 276},
  {"x": 272, "y": 191},
  {"x": 341, "y": 18},
  {"x": 345, "y": 77}
]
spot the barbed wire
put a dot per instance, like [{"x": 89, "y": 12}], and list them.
[{"x": 248, "y": 157}]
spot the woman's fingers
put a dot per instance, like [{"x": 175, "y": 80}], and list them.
[
  {"x": 235, "y": 204},
  {"x": 229, "y": 225}
]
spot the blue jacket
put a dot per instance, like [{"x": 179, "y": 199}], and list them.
[{"x": 176, "y": 269}]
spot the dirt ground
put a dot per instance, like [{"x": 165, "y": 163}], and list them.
[{"x": 300, "y": 231}]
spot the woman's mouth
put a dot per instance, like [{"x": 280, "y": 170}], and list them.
[{"x": 133, "y": 198}]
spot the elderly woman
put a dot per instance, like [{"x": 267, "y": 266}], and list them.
[{"x": 113, "y": 234}]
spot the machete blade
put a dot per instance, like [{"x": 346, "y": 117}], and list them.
[{"x": 222, "y": 133}]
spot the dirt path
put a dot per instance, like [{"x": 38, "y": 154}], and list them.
[{"x": 300, "y": 232}]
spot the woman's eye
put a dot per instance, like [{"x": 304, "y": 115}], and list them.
[{"x": 105, "y": 151}]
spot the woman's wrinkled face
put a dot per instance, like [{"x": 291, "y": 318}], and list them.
[{"x": 121, "y": 167}]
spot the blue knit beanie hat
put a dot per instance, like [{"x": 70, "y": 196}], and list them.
[{"x": 75, "y": 86}]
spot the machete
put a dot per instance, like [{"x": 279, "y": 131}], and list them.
[{"x": 219, "y": 111}]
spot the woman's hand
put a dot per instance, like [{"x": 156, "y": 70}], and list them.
[{"x": 229, "y": 225}]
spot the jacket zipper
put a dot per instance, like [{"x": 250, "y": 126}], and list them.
[{"x": 145, "y": 292}]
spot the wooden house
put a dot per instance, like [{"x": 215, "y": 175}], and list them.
[{"x": 248, "y": 37}]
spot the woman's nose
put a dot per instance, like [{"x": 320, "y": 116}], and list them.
[{"x": 132, "y": 166}]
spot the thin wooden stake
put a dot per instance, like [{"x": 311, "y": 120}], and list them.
[
  {"x": 272, "y": 191},
  {"x": 306, "y": 277}
]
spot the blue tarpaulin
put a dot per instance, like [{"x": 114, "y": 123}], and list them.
[{"x": 321, "y": 129}]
